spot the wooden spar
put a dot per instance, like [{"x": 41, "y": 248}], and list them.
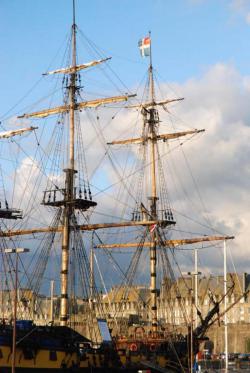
[
  {"x": 23, "y": 232},
  {"x": 145, "y": 105},
  {"x": 166, "y": 136},
  {"x": 171, "y": 243},
  {"x": 72, "y": 69},
  {"x": 78, "y": 106},
  {"x": 85, "y": 227},
  {"x": 7, "y": 134}
]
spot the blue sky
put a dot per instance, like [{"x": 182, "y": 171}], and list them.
[{"x": 188, "y": 37}]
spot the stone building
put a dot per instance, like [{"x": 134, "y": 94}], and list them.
[
  {"x": 30, "y": 306},
  {"x": 124, "y": 307},
  {"x": 123, "y": 302},
  {"x": 176, "y": 306},
  {"x": 176, "y": 303}
]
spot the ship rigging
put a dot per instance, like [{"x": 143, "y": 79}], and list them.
[{"x": 68, "y": 204}]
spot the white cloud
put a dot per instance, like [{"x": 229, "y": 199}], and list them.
[
  {"x": 242, "y": 7},
  {"x": 218, "y": 102}
]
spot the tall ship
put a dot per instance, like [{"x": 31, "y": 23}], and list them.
[{"x": 77, "y": 237}]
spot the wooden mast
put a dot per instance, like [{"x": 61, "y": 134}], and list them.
[
  {"x": 150, "y": 116},
  {"x": 68, "y": 200},
  {"x": 69, "y": 186}
]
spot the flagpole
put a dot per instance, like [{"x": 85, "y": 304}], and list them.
[
  {"x": 225, "y": 307},
  {"x": 151, "y": 78}
]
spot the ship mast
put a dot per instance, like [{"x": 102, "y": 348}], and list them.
[
  {"x": 69, "y": 185},
  {"x": 151, "y": 117}
]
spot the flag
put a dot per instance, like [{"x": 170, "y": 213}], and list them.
[
  {"x": 144, "y": 46},
  {"x": 152, "y": 228}
]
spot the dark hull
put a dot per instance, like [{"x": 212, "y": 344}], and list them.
[
  {"x": 60, "y": 349},
  {"x": 82, "y": 370}
]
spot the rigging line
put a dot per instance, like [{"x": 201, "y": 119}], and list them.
[
  {"x": 4, "y": 194},
  {"x": 112, "y": 260},
  {"x": 162, "y": 180},
  {"x": 156, "y": 74},
  {"x": 96, "y": 49},
  {"x": 30, "y": 106},
  {"x": 128, "y": 157},
  {"x": 29, "y": 283},
  {"x": 128, "y": 285},
  {"x": 105, "y": 146},
  {"x": 182, "y": 231},
  {"x": 189, "y": 218},
  {"x": 197, "y": 222},
  {"x": 232, "y": 261},
  {"x": 196, "y": 186},
  {"x": 43, "y": 243},
  {"x": 3, "y": 117},
  {"x": 132, "y": 173},
  {"x": 172, "y": 165},
  {"x": 32, "y": 197},
  {"x": 23, "y": 152},
  {"x": 172, "y": 115},
  {"x": 5, "y": 260},
  {"x": 107, "y": 65},
  {"x": 194, "y": 181},
  {"x": 115, "y": 168},
  {"x": 32, "y": 162},
  {"x": 57, "y": 80},
  {"x": 161, "y": 233},
  {"x": 145, "y": 90},
  {"x": 102, "y": 279},
  {"x": 66, "y": 41},
  {"x": 172, "y": 251},
  {"x": 164, "y": 257},
  {"x": 32, "y": 210},
  {"x": 83, "y": 262},
  {"x": 85, "y": 276},
  {"x": 40, "y": 147},
  {"x": 15, "y": 177},
  {"x": 96, "y": 118}
]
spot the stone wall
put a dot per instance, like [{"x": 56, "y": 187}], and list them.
[{"x": 238, "y": 338}]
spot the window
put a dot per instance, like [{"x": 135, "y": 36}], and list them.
[{"x": 53, "y": 355}]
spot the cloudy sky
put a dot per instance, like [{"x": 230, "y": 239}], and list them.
[{"x": 200, "y": 51}]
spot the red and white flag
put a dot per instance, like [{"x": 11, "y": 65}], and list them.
[
  {"x": 144, "y": 46},
  {"x": 152, "y": 228}
]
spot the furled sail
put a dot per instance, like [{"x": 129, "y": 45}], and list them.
[
  {"x": 145, "y": 105},
  {"x": 7, "y": 134},
  {"x": 80, "y": 105},
  {"x": 73, "y": 69},
  {"x": 164, "y": 137}
]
